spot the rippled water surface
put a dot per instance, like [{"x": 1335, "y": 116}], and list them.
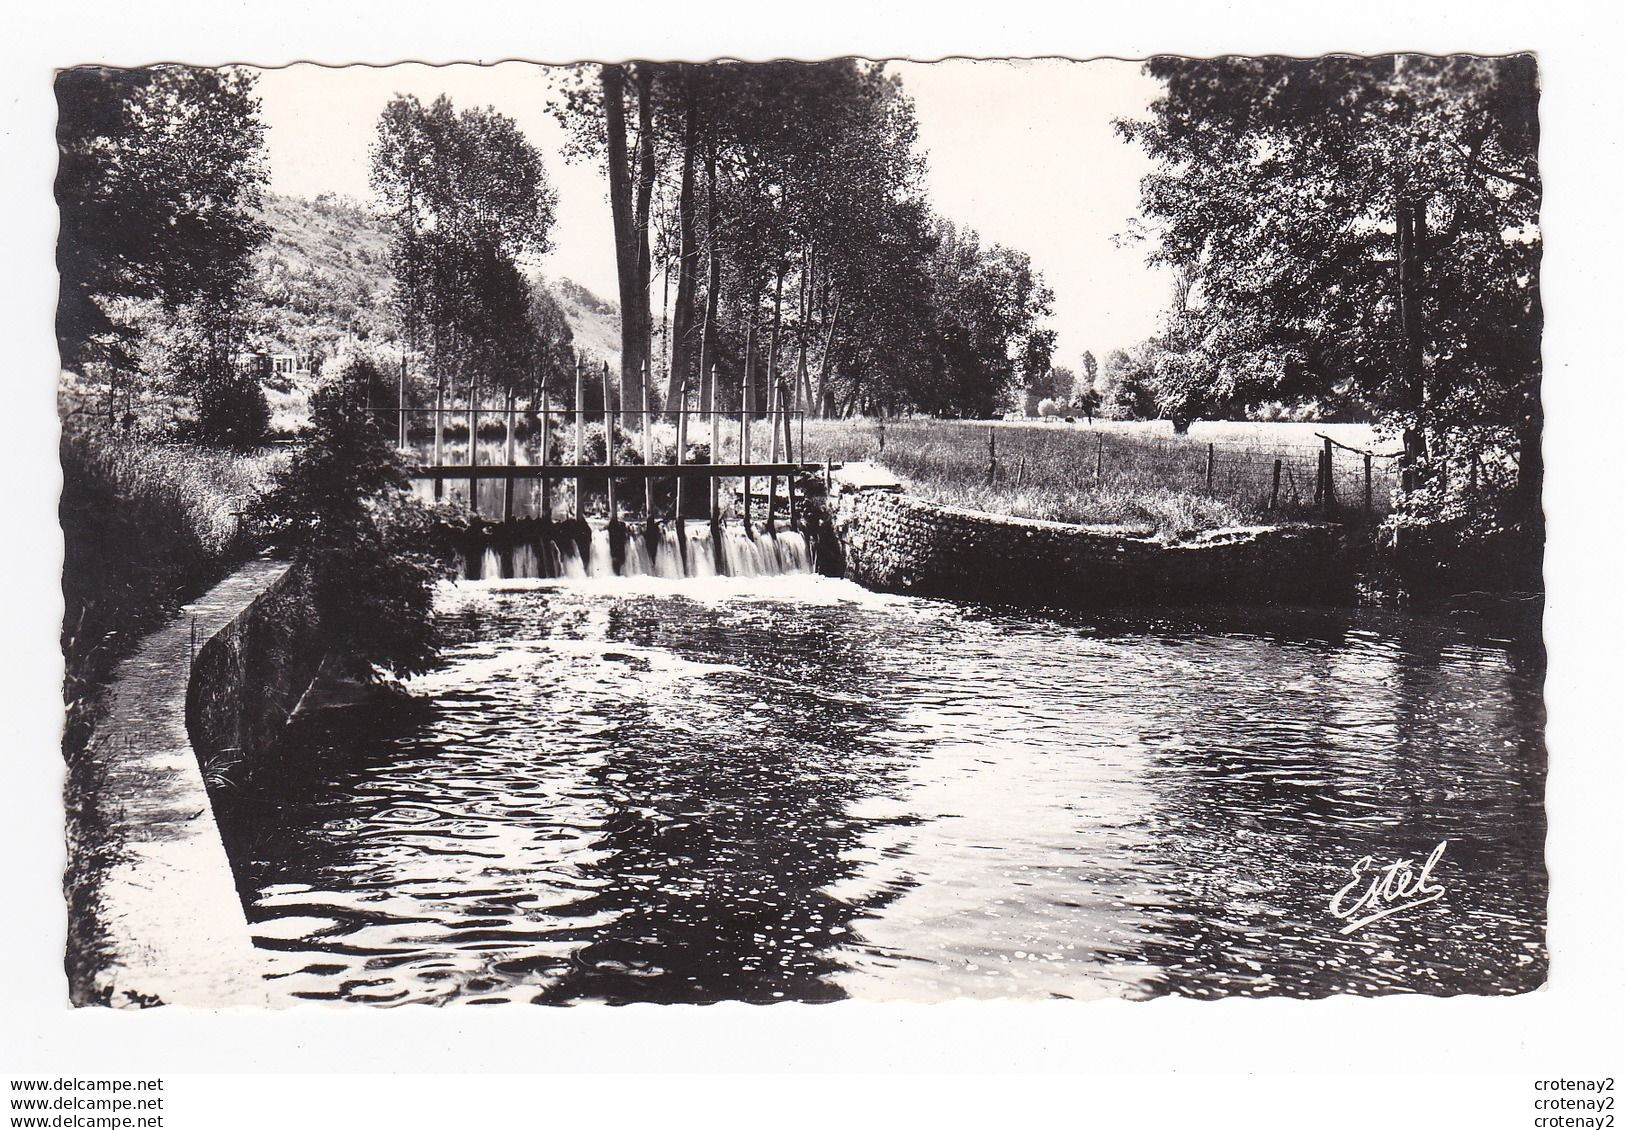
[{"x": 791, "y": 789}]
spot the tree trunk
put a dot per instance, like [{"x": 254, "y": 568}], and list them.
[
  {"x": 1411, "y": 225},
  {"x": 773, "y": 342},
  {"x": 687, "y": 262},
  {"x": 713, "y": 281},
  {"x": 634, "y": 378},
  {"x": 612, "y": 79},
  {"x": 826, "y": 399},
  {"x": 630, "y": 219}
]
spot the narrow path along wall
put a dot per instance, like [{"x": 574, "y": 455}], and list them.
[
  {"x": 169, "y": 903},
  {"x": 889, "y": 540}
]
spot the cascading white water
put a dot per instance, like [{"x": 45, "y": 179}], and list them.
[{"x": 763, "y": 555}]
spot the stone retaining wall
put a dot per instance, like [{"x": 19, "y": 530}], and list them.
[
  {"x": 168, "y": 907},
  {"x": 248, "y": 678},
  {"x": 891, "y": 541}
]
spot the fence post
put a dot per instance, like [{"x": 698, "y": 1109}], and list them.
[
  {"x": 400, "y": 415},
  {"x": 1368, "y": 484},
  {"x": 1210, "y": 466},
  {"x": 507, "y": 485},
  {"x": 474, "y": 447},
  {"x": 992, "y": 456},
  {"x": 774, "y": 404},
  {"x": 581, "y": 423},
  {"x": 439, "y": 434},
  {"x": 1327, "y": 499},
  {"x": 1100, "y": 456},
  {"x": 609, "y": 446},
  {"x": 709, "y": 390},
  {"x": 1275, "y": 486},
  {"x": 648, "y": 450},
  {"x": 677, "y": 487},
  {"x": 546, "y": 484},
  {"x": 744, "y": 436}
]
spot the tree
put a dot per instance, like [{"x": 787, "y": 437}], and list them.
[
  {"x": 467, "y": 196},
  {"x": 1087, "y": 394},
  {"x": 1362, "y": 226},
  {"x": 159, "y": 185},
  {"x": 371, "y": 551},
  {"x": 1125, "y": 392},
  {"x": 596, "y": 106},
  {"x": 776, "y": 190},
  {"x": 553, "y": 347},
  {"x": 989, "y": 304}
]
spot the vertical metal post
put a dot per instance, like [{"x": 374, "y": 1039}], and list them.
[
  {"x": 1210, "y": 466},
  {"x": 439, "y": 434},
  {"x": 508, "y": 483},
  {"x": 400, "y": 411},
  {"x": 1275, "y": 486},
  {"x": 1368, "y": 484},
  {"x": 790, "y": 480},
  {"x": 473, "y": 446},
  {"x": 1327, "y": 499},
  {"x": 744, "y": 436},
  {"x": 1100, "y": 456},
  {"x": 545, "y": 483},
  {"x": 775, "y": 396},
  {"x": 716, "y": 437},
  {"x": 581, "y": 425},
  {"x": 648, "y": 450},
  {"x": 682, "y": 441},
  {"x": 609, "y": 445}
]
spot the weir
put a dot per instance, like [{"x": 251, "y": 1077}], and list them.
[
  {"x": 576, "y": 548},
  {"x": 542, "y": 451}
]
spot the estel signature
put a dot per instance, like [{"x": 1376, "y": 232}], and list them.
[{"x": 1378, "y": 891}]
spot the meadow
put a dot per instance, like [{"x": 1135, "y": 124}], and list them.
[{"x": 1132, "y": 474}]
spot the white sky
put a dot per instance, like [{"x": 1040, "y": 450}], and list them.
[{"x": 1021, "y": 151}]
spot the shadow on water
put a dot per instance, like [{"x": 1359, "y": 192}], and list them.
[{"x": 703, "y": 792}]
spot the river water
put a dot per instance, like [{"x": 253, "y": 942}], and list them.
[{"x": 788, "y": 788}]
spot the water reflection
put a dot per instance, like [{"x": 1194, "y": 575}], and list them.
[{"x": 789, "y": 789}]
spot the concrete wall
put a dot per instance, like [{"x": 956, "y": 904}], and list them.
[
  {"x": 888, "y": 540},
  {"x": 249, "y": 676},
  {"x": 171, "y": 927}
]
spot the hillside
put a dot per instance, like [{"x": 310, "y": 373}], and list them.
[
  {"x": 324, "y": 272},
  {"x": 595, "y": 322}
]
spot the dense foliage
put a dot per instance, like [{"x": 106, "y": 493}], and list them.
[
  {"x": 159, "y": 185},
  {"x": 467, "y": 197},
  {"x": 372, "y": 552},
  {"x": 1360, "y": 231},
  {"x": 784, "y": 201}
]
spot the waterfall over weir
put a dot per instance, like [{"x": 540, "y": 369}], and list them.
[{"x": 644, "y": 552}]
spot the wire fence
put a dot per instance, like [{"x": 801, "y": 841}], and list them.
[{"x": 1086, "y": 467}]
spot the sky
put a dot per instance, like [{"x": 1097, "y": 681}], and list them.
[{"x": 1024, "y": 152}]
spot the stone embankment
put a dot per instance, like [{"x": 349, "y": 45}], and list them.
[
  {"x": 883, "y": 538},
  {"x": 168, "y": 906},
  {"x": 248, "y": 679}
]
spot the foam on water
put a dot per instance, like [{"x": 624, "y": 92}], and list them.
[{"x": 691, "y": 554}]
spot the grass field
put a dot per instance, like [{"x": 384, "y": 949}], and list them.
[{"x": 1134, "y": 474}]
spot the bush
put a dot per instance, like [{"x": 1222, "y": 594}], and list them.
[
  {"x": 230, "y": 408},
  {"x": 373, "y": 552}
]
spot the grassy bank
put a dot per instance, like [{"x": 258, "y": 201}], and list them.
[
  {"x": 1135, "y": 475},
  {"x": 145, "y": 527}
]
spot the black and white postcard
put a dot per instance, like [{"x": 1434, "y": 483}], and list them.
[{"x": 1019, "y": 530}]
